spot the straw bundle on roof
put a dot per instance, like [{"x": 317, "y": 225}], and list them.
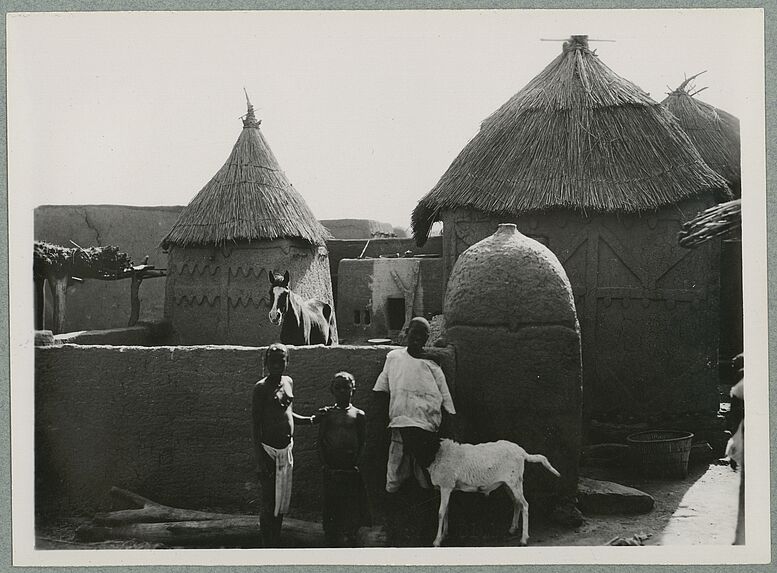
[
  {"x": 577, "y": 136},
  {"x": 723, "y": 220},
  {"x": 714, "y": 132},
  {"x": 249, "y": 198}
]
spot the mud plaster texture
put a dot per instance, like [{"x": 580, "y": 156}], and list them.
[
  {"x": 137, "y": 231},
  {"x": 174, "y": 424},
  {"x": 368, "y": 284},
  {"x": 340, "y": 249},
  {"x": 510, "y": 315},
  {"x": 648, "y": 309},
  {"x": 357, "y": 228},
  {"x": 221, "y": 295}
]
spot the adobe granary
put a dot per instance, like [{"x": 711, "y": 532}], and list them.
[
  {"x": 246, "y": 221},
  {"x": 586, "y": 163}
]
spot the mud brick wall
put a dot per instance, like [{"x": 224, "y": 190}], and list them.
[
  {"x": 173, "y": 424},
  {"x": 368, "y": 284},
  {"x": 340, "y": 249}
]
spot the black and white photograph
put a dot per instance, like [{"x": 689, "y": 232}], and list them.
[{"x": 388, "y": 287}]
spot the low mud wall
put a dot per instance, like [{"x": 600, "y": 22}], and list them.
[
  {"x": 144, "y": 334},
  {"x": 173, "y": 423}
]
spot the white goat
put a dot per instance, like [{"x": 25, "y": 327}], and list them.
[{"x": 482, "y": 468}]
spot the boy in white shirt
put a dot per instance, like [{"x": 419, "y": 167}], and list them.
[{"x": 417, "y": 394}]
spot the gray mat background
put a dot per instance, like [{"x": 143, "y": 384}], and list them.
[{"x": 770, "y": 8}]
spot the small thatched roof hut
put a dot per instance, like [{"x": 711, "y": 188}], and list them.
[
  {"x": 714, "y": 132},
  {"x": 249, "y": 198},
  {"x": 577, "y": 136},
  {"x": 247, "y": 221}
]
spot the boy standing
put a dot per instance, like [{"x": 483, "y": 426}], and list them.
[
  {"x": 417, "y": 394},
  {"x": 273, "y": 428},
  {"x": 341, "y": 440}
]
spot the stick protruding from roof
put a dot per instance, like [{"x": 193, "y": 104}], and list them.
[{"x": 249, "y": 119}]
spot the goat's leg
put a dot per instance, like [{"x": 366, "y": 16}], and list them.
[
  {"x": 521, "y": 509},
  {"x": 516, "y": 511},
  {"x": 442, "y": 516}
]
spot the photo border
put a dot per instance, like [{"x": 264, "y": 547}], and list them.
[{"x": 201, "y": 5}]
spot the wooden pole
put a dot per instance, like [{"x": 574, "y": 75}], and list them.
[
  {"x": 58, "y": 286},
  {"x": 40, "y": 283},
  {"x": 137, "y": 279},
  {"x": 157, "y": 523}
]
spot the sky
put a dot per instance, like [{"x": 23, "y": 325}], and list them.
[{"x": 364, "y": 110}]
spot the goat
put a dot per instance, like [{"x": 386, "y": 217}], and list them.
[{"x": 482, "y": 468}]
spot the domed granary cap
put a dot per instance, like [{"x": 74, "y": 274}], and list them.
[{"x": 509, "y": 280}]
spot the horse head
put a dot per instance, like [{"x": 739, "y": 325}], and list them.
[{"x": 279, "y": 294}]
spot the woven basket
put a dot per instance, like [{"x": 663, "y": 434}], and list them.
[{"x": 661, "y": 453}]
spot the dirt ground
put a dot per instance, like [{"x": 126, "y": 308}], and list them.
[{"x": 699, "y": 510}]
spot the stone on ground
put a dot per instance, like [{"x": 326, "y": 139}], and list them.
[{"x": 605, "y": 497}]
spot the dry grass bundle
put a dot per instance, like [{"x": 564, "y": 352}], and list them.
[
  {"x": 723, "y": 220},
  {"x": 249, "y": 198},
  {"x": 90, "y": 262},
  {"x": 714, "y": 132},
  {"x": 577, "y": 136}
]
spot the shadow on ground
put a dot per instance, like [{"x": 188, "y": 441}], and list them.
[{"x": 700, "y": 509}]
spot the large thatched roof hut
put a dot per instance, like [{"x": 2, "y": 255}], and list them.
[
  {"x": 578, "y": 136},
  {"x": 247, "y": 220},
  {"x": 714, "y": 132},
  {"x": 585, "y": 162}
]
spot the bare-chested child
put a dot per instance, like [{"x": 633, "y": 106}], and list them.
[
  {"x": 273, "y": 428},
  {"x": 341, "y": 440}
]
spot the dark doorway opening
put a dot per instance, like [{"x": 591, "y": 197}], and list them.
[{"x": 396, "y": 313}]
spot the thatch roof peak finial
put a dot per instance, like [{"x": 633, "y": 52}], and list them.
[
  {"x": 576, "y": 42},
  {"x": 249, "y": 120}
]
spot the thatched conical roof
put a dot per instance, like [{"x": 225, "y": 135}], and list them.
[
  {"x": 249, "y": 198},
  {"x": 714, "y": 132},
  {"x": 577, "y": 136}
]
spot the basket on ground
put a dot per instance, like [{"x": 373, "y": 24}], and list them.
[{"x": 661, "y": 453}]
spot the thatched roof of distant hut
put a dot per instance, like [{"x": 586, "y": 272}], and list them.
[
  {"x": 714, "y": 132},
  {"x": 577, "y": 136},
  {"x": 249, "y": 198}
]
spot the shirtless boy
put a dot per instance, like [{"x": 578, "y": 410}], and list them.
[
  {"x": 341, "y": 440},
  {"x": 273, "y": 428}
]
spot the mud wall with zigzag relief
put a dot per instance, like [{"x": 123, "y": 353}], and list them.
[{"x": 221, "y": 295}]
